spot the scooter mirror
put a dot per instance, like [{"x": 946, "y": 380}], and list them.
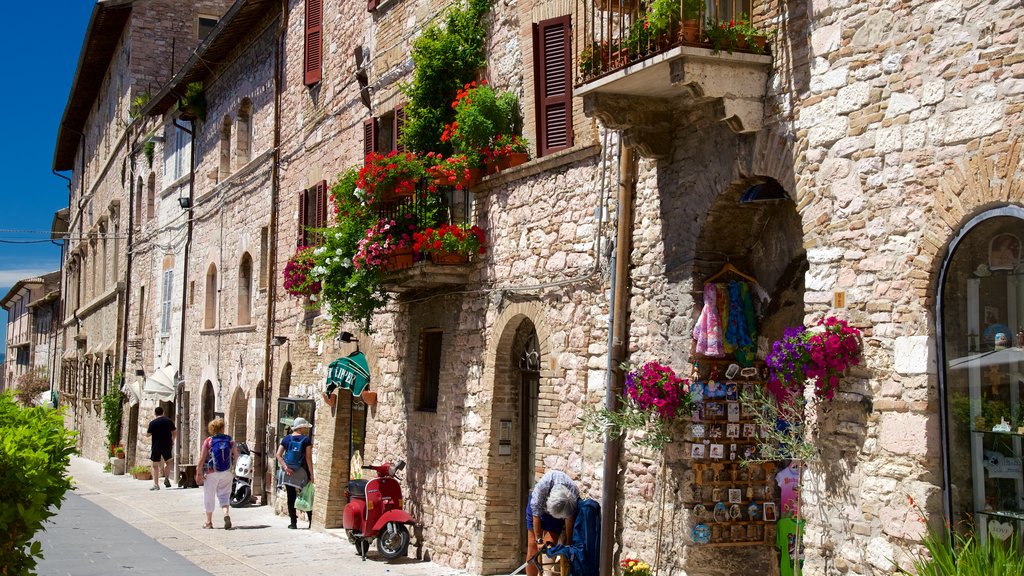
[{"x": 400, "y": 466}]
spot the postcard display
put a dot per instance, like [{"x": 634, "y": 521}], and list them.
[{"x": 733, "y": 504}]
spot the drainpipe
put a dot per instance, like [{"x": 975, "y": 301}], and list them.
[
  {"x": 184, "y": 282},
  {"x": 617, "y": 337},
  {"x": 275, "y": 182},
  {"x": 128, "y": 257}
]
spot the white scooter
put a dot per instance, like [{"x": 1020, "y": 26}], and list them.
[{"x": 241, "y": 487}]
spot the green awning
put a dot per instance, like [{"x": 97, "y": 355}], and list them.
[{"x": 350, "y": 372}]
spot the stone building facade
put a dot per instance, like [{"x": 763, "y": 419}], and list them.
[
  {"x": 31, "y": 306},
  {"x": 892, "y": 131},
  {"x": 129, "y": 49}
]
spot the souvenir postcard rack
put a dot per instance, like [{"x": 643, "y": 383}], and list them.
[{"x": 733, "y": 504}]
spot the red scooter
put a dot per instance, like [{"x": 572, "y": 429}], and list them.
[{"x": 374, "y": 510}]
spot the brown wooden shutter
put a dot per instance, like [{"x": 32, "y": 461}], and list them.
[
  {"x": 554, "y": 84},
  {"x": 313, "y": 57},
  {"x": 369, "y": 136},
  {"x": 301, "y": 240},
  {"x": 399, "y": 128},
  {"x": 321, "y": 204}
]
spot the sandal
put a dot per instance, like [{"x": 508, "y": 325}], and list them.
[{"x": 208, "y": 525}]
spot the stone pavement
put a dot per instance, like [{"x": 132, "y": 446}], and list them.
[{"x": 260, "y": 542}]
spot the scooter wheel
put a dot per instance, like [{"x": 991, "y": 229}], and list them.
[
  {"x": 362, "y": 547},
  {"x": 393, "y": 540},
  {"x": 241, "y": 496}
]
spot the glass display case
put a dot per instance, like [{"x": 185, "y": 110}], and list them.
[{"x": 290, "y": 408}]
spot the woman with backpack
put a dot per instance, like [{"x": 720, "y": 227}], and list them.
[
  {"x": 218, "y": 456},
  {"x": 295, "y": 454}
]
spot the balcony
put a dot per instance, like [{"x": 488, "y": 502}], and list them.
[
  {"x": 416, "y": 272},
  {"x": 657, "y": 51}
]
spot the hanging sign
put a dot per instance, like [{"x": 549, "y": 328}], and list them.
[{"x": 350, "y": 372}]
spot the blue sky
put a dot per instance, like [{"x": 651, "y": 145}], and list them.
[{"x": 38, "y": 76}]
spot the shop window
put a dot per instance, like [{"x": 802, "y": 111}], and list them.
[
  {"x": 981, "y": 316},
  {"x": 430, "y": 369},
  {"x": 553, "y": 81}
]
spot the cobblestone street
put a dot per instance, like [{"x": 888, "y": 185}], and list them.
[{"x": 259, "y": 543}]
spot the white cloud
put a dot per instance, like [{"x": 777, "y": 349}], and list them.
[{"x": 9, "y": 277}]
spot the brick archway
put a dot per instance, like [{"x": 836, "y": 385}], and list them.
[{"x": 497, "y": 514}]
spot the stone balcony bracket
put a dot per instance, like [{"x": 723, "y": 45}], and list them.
[{"x": 643, "y": 99}]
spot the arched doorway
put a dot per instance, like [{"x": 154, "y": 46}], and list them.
[
  {"x": 526, "y": 359},
  {"x": 285, "y": 385},
  {"x": 239, "y": 416},
  {"x": 980, "y": 333},
  {"x": 208, "y": 408}
]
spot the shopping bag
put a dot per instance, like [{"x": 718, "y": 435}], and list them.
[{"x": 305, "y": 499}]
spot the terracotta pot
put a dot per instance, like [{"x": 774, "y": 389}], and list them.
[
  {"x": 756, "y": 44},
  {"x": 691, "y": 31},
  {"x": 144, "y": 475},
  {"x": 448, "y": 259},
  {"x": 458, "y": 180},
  {"x": 399, "y": 259},
  {"x": 507, "y": 161},
  {"x": 390, "y": 192}
]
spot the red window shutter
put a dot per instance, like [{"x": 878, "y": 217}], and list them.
[
  {"x": 371, "y": 5},
  {"x": 399, "y": 128},
  {"x": 554, "y": 84},
  {"x": 321, "y": 204},
  {"x": 313, "y": 57},
  {"x": 369, "y": 136},
  {"x": 301, "y": 240}
]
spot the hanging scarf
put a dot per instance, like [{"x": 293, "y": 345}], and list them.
[
  {"x": 745, "y": 356},
  {"x": 737, "y": 334},
  {"x": 708, "y": 330},
  {"x": 722, "y": 296}
]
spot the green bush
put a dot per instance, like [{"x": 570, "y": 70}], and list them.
[
  {"x": 958, "y": 555},
  {"x": 35, "y": 450},
  {"x": 113, "y": 410},
  {"x": 447, "y": 56}
]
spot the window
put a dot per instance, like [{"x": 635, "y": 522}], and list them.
[
  {"x": 552, "y": 73},
  {"x": 384, "y": 134},
  {"x": 312, "y": 214},
  {"x": 727, "y": 9},
  {"x": 981, "y": 311},
  {"x": 430, "y": 369},
  {"x": 142, "y": 310},
  {"x": 245, "y": 290},
  {"x": 165, "y": 308},
  {"x": 205, "y": 25},
  {"x": 177, "y": 149},
  {"x": 210, "y": 313},
  {"x": 225, "y": 149},
  {"x": 264, "y": 257},
  {"x": 313, "y": 55},
  {"x": 140, "y": 192},
  {"x": 243, "y": 137},
  {"x": 151, "y": 196}
]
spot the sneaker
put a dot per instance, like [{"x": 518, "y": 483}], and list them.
[
  {"x": 292, "y": 526},
  {"x": 227, "y": 522},
  {"x": 167, "y": 483},
  {"x": 154, "y": 487}
]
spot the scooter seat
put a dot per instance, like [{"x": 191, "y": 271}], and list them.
[{"x": 357, "y": 488}]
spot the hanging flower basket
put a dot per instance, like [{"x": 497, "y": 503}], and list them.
[{"x": 506, "y": 161}]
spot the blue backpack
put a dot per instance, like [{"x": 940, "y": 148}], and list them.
[
  {"x": 295, "y": 454},
  {"x": 220, "y": 452}
]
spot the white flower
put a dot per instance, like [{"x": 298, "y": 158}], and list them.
[
  {"x": 347, "y": 262},
  {"x": 338, "y": 252},
  {"x": 312, "y": 298},
  {"x": 359, "y": 193},
  {"x": 319, "y": 250}
]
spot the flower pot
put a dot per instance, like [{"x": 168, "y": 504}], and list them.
[
  {"x": 459, "y": 179},
  {"x": 506, "y": 161},
  {"x": 755, "y": 44},
  {"x": 448, "y": 258},
  {"x": 147, "y": 475},
  {"x": 691, "y": 31},
  {"x": 391, "y": 192},
  {"x": 399, "y": 259},
  {"x": 117, "y": 466}
]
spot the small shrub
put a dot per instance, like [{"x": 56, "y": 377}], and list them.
[
  {"x": 113, "y": 410},
  {"x": 30, "y": 385},
  {"x": 35, "y": 450}
]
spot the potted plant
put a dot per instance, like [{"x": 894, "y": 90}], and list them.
[
  {"x": 388, "y": 244},
  {"x": 480, "y": 115},
  {"x": 691, "y": 20},
  {"x": 739, "y": 34},
  {"x": 824, "y": 356},
  {"x": 141, "y": 472},
  {"x": 449, "y": 244},
  {"x": 458, "y": 170},
  {"x": 506, "y": 151},
  {"x": 193, "y": 104},
  {"x": 386, "y": 177},
  {"x": 299, "y": 280}
]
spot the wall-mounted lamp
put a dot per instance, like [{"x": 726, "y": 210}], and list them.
[
  {"x": 140, "y": 372},
  {"x": 278, "y": 340},
  {"x": 347, "y": 337},
  {"x": 770, "y": 191},
  {"x": 185, "y": 202}
]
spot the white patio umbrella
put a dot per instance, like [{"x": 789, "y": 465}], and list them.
[
  {"x": 161, "y": 384},
  {"x": 133, "y": 388},
  {"x": 984, "y": 359}
]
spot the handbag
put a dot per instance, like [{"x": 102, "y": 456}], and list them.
[
  {"x": 297, "y": 479},
  {"x": 304, "y": 501}
]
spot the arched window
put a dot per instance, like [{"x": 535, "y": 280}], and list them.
[
  {"x": 210, "y": 316},
  {"x": 981, "y": 328},
  {"x": 243, "y": 138},
  {"x": 140, "y": 194},
  {"x": 151, "y": 196},
  {"x": 225, "y": 148},
  {"x": 245, "y": 290}
]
